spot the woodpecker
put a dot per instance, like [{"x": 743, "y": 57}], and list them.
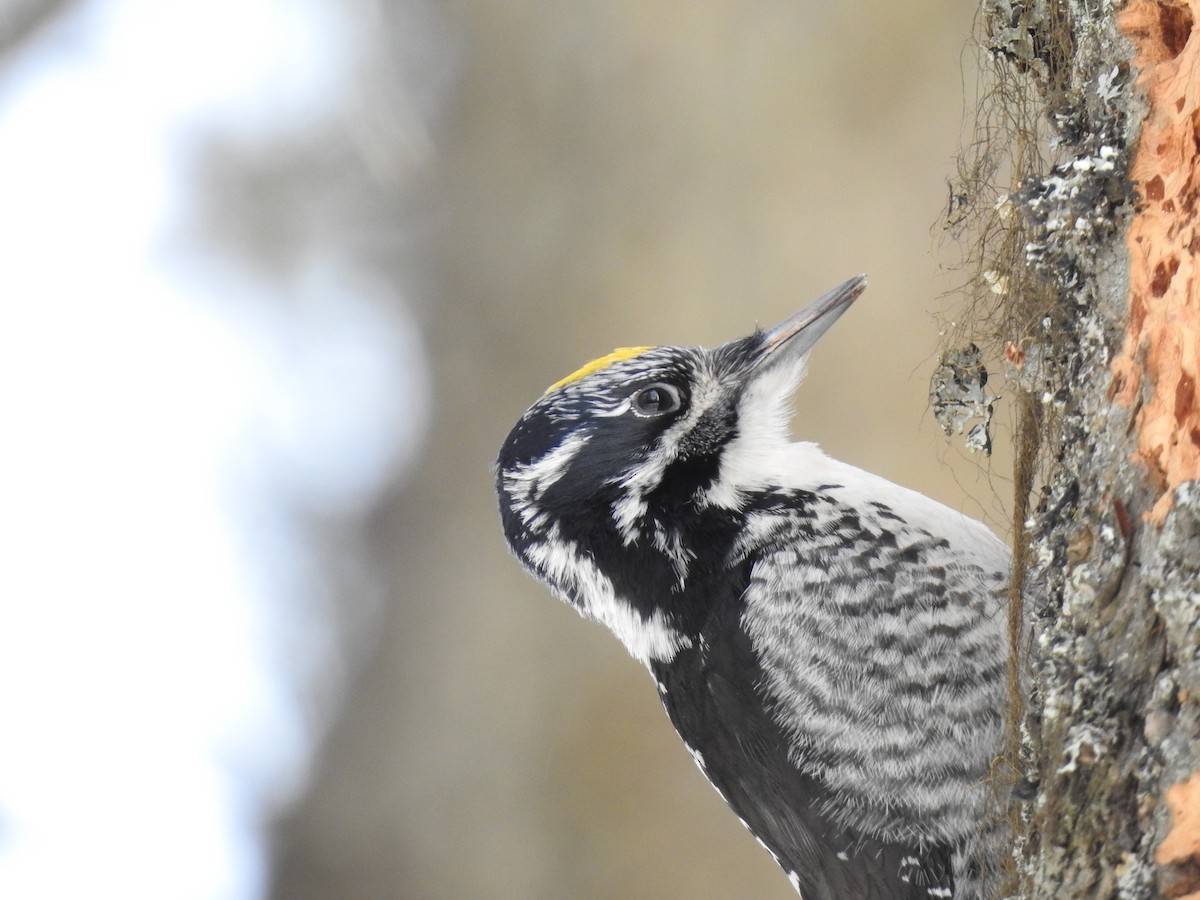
[{"x": 831, "y": 647}]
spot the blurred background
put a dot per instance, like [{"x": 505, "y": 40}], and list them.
[{"x": 277, "y": 278}]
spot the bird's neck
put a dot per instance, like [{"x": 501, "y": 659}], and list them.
[{"x": 657, "y": 586}]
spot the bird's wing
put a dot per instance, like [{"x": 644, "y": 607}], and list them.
[{"x": 883, "y": 657}]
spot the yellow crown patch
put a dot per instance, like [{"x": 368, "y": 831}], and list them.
[{"x": 621, "y": 353}]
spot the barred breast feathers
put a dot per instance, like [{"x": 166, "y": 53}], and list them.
[{"x": 877, "y": 615}]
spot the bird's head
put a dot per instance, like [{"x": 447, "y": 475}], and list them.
[{"x": 618, "y": 457}]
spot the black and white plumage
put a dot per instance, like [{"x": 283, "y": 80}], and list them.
[{"x": 831, "y": 647}]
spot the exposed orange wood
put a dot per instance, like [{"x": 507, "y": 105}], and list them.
[
  {"x": 1162, "y": 343},
  {"x": 1180, "y": 849}
]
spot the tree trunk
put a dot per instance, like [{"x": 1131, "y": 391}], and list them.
[{"x": 1089, "y": 263}]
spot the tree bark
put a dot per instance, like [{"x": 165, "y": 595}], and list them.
[{"x": 1092, "y": 261}]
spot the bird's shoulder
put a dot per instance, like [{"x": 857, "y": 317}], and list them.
[{"x": 804, "y": 495}]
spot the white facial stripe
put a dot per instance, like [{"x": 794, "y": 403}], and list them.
[
  {"x": 642, "y": 480},
  {"x": 575, "y": 576},
  {"x": 753, "y": 459},
  {"x": 619, "y": 410},
  {"x": 627, "y": 512},
  {"x": 526, "y": 483},
  {"x": 670, "y": 543}
]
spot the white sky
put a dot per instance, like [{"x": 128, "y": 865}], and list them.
[{"x": 147, "y": 567}]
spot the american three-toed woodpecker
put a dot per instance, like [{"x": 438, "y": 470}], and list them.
[{"x": 831, "y": 647}]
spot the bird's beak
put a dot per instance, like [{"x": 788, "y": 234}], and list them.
[{"x": 793, "y": 338}]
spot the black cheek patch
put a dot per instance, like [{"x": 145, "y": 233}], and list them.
[
  {"x": 714, "y": 430},
  {"x": 698, "y": 464},
  {"x": 612, "y": 452},
  {"x": 684, "y": 479}
]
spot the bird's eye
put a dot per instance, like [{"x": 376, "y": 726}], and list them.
[{"x": 657, "y": 400}]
